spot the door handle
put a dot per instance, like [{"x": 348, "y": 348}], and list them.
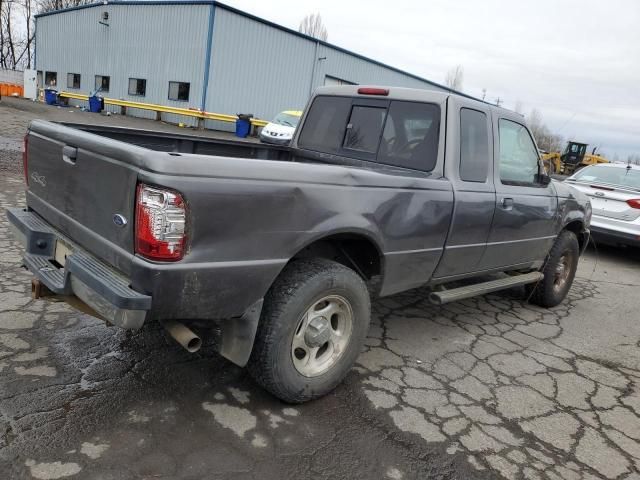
[
  {"x": 69, "y": 154},
  {"x": 507, "y": 203}
]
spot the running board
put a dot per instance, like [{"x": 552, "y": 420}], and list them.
[{"x": 469, "y": 291}]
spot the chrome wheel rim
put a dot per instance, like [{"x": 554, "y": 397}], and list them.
[
  {"x": 322, "y": 335},
  {"x": 563, "y": 270}
]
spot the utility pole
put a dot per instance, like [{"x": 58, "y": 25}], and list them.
[{"x": 498, "y": 101}]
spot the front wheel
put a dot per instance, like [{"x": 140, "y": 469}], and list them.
[
  {"x": 559, "y": 271},
  {"x": 314, "y": 321}
]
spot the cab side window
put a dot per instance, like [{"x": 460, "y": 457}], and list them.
[
  {"x": 474, "y": 146},
  {"x": 518, "y": 154}
]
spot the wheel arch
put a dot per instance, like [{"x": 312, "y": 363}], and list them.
[
  {"x": 578, "y": 228},
  {"x": 355, "y": 249}
]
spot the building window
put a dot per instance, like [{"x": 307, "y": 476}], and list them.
[
  {"x": 179, "y": 91},
  {"x": 73, "y": 80},
  {"x": 137, "y": 86},
  {"x": 102, "y": 83},
  {"x": 50, "y": 79}
]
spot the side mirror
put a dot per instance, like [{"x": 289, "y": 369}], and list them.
[{"x": 543, "y": 179}]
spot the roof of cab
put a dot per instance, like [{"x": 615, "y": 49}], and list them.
[{"x": 401, "y": 93}]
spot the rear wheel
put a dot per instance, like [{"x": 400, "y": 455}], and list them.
[
  {"x": 314, "y": 320},
  {"x": 559, "y": 271}
]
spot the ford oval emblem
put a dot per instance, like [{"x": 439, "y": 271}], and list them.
[{"x": 119, "y": 220}]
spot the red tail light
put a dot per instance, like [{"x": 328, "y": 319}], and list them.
[
  {"x": 25, "y": 159},
  {"x": 160, "y": 224},
  {"x": 634, "y": 203},
  {"x": 373, "y": 91}
]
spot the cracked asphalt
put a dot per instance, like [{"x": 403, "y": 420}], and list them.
[{"x": 490, "y": 387}]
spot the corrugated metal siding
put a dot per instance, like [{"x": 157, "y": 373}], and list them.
[
  {"x": 15, "y": 77},
  {"x": 354, "y": 69},
  {"x": 256, "y": 68},
  {"x": 159, "y": 43}
]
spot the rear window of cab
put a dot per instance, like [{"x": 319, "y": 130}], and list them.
[{"x": 392, "y": 132}]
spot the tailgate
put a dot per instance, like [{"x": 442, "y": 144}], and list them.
[{"x": 79, "y": 182}]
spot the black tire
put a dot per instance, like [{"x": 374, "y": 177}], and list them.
[
  {"x": 563, "y": 257},
  {"x": 301, "y": 284}
]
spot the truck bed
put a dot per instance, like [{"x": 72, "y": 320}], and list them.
[{"x": 184, "y": 143}]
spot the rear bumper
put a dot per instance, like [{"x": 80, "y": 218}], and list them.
[
  {"x": 99, "y": 286},
  {"x": 612, "y": 230},
  {"x": 607, "y": 235}
]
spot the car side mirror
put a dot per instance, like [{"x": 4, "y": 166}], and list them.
[{"x": 543, "y": 179}]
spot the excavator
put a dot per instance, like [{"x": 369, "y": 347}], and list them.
[{"x": 572, "y": 159}]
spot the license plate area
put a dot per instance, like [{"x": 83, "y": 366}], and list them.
[{"x": 61, "y": 252}]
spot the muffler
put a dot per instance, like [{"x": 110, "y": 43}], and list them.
[{"x": 183, "y": 335}]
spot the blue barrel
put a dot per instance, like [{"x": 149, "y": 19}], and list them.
[
  {"x": 96, "y": 104},
  {"x": 50, "y": 96},
  {"x": 243, "y": 126}
]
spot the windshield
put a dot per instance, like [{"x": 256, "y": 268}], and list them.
[
  {"x": 626, "y": 177},
  {"x": 287, "y": 119}
]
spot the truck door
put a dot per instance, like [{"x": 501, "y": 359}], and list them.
[
  {"x": 469, "y": 167},
  {"x": 523, "y": 227}
]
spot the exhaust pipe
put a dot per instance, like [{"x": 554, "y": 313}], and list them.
[{"x": 183, "y": 335}]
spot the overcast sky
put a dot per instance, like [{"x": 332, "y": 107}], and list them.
[{"x": 577, "y": 62}]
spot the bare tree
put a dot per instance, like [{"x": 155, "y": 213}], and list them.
[
  {"x": 312, "y": 25},
  {"x": 545, "y": 139},
  {"x": 454, "y": 78},
  {"x": 17, "y": 29},
  {"x": 49, "y": 5},
  {"x": 633, "y": 159}
]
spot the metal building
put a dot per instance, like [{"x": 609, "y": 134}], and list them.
[{"x": 197, "y": 54}]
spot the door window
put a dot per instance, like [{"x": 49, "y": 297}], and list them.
[
  {"x": 518, "y": 155},
  {"x": 474, "y": 146}
]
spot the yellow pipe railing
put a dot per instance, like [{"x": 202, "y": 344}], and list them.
[{"x": 165, "y": 109}]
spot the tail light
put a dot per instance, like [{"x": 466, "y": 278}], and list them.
[
  {"x": 160, "y": 224},
  {"x": 25, "y": 159},
  {"x": 634, "y": 203}
]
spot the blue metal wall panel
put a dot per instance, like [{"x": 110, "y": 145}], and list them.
[
  {"x": 254, "y": 66},
  {"x": 159, "y": 43},
  {"x": 259, "y": 69}
]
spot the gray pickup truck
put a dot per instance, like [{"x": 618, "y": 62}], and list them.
[{"x": 279, "y": 248}]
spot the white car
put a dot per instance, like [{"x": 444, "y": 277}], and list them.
[
  {"x": 280, "y": 129},
  {"x": 614, "y": 192}
]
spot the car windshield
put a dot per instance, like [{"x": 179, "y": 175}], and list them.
[
  {"x": 287, "y": 119},
  {"x": 622, "y": 176}
]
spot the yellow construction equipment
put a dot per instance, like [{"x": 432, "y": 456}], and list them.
[{"x": 573, "y": 158}]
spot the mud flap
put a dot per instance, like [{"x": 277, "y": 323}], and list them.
[{"x": 238, "y": 334}]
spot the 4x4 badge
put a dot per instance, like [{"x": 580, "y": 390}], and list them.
[{"x": 39, "y": 179}]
